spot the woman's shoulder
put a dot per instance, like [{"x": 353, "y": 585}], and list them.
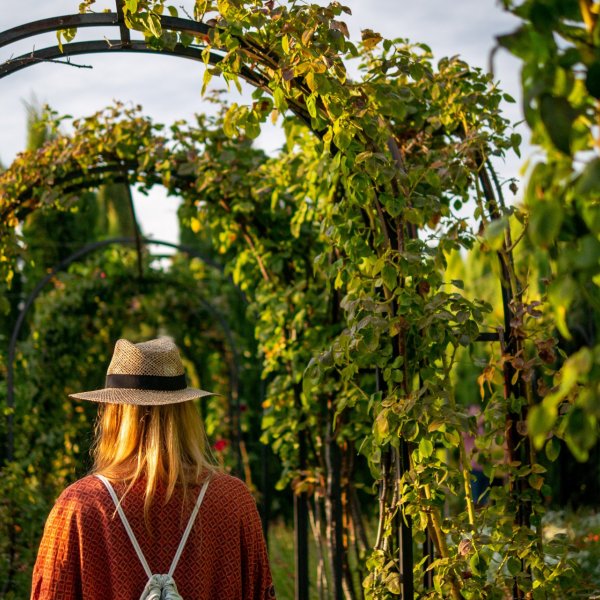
[
  {"x": 79, "y": 501},
  {"x": 228, "y": 483},
  {"x": 230, "y": 491},
  {"x": 90, "y": 484},
  {"x": 89, "y": 492}
]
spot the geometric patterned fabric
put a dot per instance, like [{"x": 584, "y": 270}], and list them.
[{"x": 85, "y": 553}]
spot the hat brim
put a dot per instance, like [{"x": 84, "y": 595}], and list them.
[{"x": 141, "y": 397}]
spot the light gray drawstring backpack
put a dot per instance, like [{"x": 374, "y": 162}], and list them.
[{"x": 158, "y": 587}]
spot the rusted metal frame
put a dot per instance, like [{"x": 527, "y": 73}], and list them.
[
  {"x": 405, "y": 532},
  {"x": 187, "y": 26},
  {"x": 488, "y": 336},
  {"x": 333, "y": 459}
]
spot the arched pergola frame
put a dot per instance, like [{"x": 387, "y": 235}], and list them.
[
  {"x": 234, "y": 366},
  {"x": 399, "y": 458}
]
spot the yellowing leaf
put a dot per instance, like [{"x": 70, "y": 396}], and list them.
[{"x": 370, "y": 38}]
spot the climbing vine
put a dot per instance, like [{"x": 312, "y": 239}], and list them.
[{"x": 342, "y": 242}]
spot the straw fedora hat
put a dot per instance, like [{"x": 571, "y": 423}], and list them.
[{"x": 148, "y": 373}]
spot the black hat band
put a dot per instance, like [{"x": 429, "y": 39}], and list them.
[{"x": 147, "y": 382}]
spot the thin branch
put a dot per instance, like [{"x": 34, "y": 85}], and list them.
[{"x": 67, "y": 62}]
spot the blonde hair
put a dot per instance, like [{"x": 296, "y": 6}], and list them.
[{"x": 162, "y": 444}]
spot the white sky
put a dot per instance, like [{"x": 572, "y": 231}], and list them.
[{"x": 169, "y": 88}]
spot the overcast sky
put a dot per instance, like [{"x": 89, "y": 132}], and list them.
[{"x": 169, "y": 88}]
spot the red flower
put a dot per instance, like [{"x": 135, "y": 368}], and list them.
[{"x": 220, "y": 445}]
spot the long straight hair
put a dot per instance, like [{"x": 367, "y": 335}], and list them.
[{"x": 163, "y": 444}]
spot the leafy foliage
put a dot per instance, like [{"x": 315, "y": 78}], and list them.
[
  {"x": 343, "y": 244},
  {"x": 558, "y": 45}
]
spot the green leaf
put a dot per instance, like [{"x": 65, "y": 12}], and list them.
[
  {"x": 311, "y": 105},
  {"x": 536, "y": 481},
  {"x": 546, "y": 218},
  {"x": 477, "y": 565},
  {"x": 561, "y": 294},
  {"x": 513, "y": 564},
  {"x": 552, "y": 449},
  {"x": 279, "y": 100},
  {"x": 558, "y": 115},
  {"x": 542, "y": 17},
  {"x": 425, "y": 448},
  {"x": 392, "y": 583},
  {"x": 342, "y": 138},
  {"x": 518, "y": 42},
  {"x": 382, "y": 426},
  {"x": 494, "y": 233},
  {"x": 389, "y": 276},
  {"x": 205, "y": 81},
  {"x": 581, "y": 433},
  {"x": 154, "y": 25},
  {"x": 589, "y": 180},
  {"x": 588, "y": 253},
  {"x": 540, "y": 421}
]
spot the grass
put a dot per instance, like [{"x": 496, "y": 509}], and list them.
[{"x": 281, "y": 557}]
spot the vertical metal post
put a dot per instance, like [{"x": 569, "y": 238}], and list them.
[
  {"x": 405, "y": 532},
  {"x": 264, "y": 477},
  {"x": 517, "y": 444},
  {"x": 124, "y": 31},
  {"x": 301, "y": 529},
  {"x": 333, "y": 457},
  {"x": 403, "y": 523},
  {"x": 428, "y": 554}
]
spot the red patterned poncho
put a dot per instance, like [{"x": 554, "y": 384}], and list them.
[{"x": 85, "y": 553}]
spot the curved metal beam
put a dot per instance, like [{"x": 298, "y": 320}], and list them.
[
  {"x": 52, "y": 24},
  {"x": 90, "y": 179},
  {"x": 22, "y": 32},
  {"x": 54, "y": 53}
]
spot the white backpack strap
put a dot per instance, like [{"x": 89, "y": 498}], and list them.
[
  {"x": 128, "y": 529},
  {"x": 188, "y": 529}
]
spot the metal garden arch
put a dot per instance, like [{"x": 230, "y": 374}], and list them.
[{"x": 194, "y": 52}]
